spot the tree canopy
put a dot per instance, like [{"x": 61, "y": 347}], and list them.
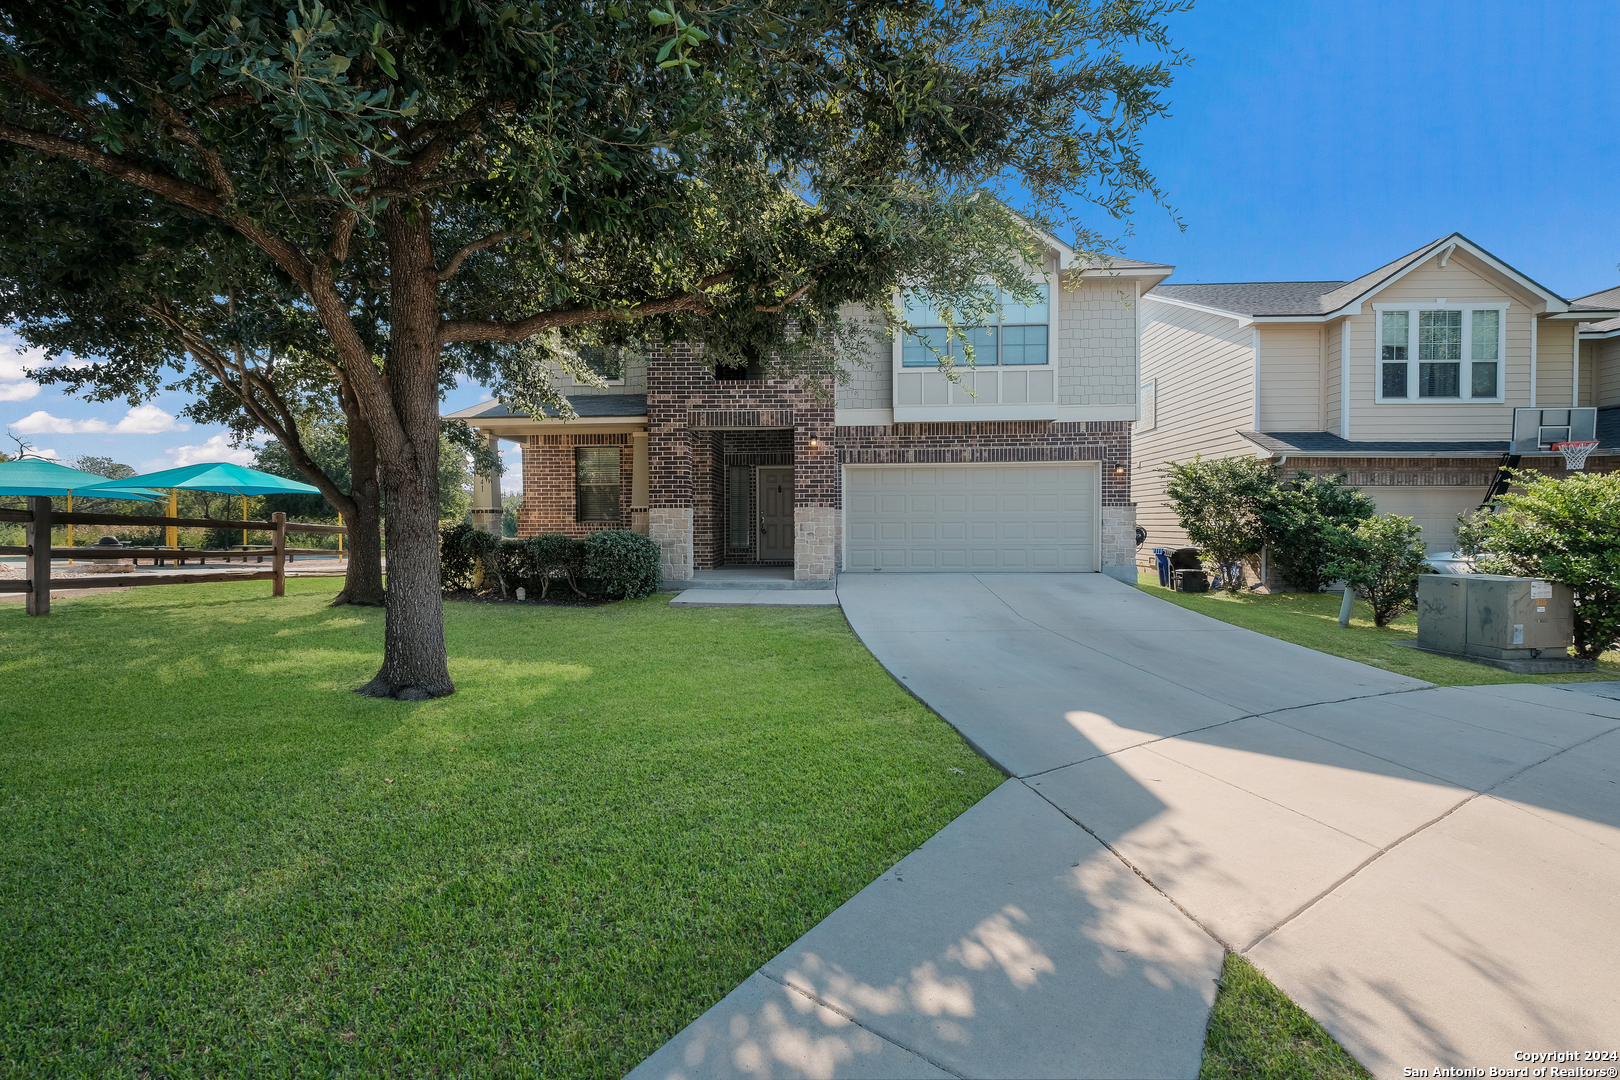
[{"x": 446, "y": 186}]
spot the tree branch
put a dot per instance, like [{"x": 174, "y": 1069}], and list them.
[
  {"x": 523, "y": 329},
  {"x": 480, "y": 244},
  {"x": 778, "y": 308},
  {"x": 181, "y": 131},
  {"x": 47, "y": 93},
  {"x": 182, "y": 192}
]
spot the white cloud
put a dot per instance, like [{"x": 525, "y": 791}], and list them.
[
  {"x": 147, "y": 420},
  {"x": 140, "y": 420},
  {"x": 36, "y": 423},
  {"x": 217, "y": 448},
  {"x": 13, "y": 385}
]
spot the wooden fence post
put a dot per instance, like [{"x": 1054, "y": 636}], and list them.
[
  {"x": 278, "y": 558},
  {"x": 38, "y": 601}
]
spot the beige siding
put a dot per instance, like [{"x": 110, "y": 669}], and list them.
[
  {"x": 1334, "y": 336},
  {"x": 1555, "y": 364},
  {"x": 1589, "y": 373},
  {"x": 1461, "y": 281},
  {"x": 1094, "y": 327},
  {"x": 1203, "y": 365},
  {"x": 1291, "y": 377},
  {"x": 1607, "y": 371}
]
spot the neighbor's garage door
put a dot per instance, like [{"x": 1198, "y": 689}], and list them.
[{"x": 973, "y": 518}]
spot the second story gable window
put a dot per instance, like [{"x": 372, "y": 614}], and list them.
[
  {"x": 1019, "y": 337},
  {"x": 1437, "y": 354}
]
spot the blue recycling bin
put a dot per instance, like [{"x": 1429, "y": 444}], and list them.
[{"x": 1163, "y": 561}]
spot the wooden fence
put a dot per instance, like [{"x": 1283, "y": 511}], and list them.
[{"x": 40, "y": 519}]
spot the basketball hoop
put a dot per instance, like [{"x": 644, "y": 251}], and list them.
[{"x": 1575, "y": 453}]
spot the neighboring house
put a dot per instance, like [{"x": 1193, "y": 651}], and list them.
[
  {"x": 1405, "y": 379},
  {"x": 1600, "y": 360},
  {"x": 895, "y": 471}
]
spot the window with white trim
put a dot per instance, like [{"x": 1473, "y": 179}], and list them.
[
  {"x": 1017, "y": 338},
  {"x": 1440, "y": 353}
]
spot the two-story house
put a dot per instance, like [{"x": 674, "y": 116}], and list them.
[
  {"x": 1023, "y": 464},
  {"x": 1406, "y": 379}
]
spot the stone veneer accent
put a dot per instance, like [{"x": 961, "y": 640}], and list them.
[
  {"x": 815, "y": 543},
  {"x": 1119, "y": 542},
  {"x": 671, "y": 528}
]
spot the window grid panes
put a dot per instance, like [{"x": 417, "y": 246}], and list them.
[
  {"x": 1018, "y": 339},
  {"x": 1441, "y": 338},
  {"x": 1396, "y": 329},
  {"x": 596, "y": 483}
]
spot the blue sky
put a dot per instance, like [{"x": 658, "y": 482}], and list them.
[{"x": 1307, "y": 141}]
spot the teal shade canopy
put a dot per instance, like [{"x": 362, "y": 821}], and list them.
[
  {"x": 221, "y": 476},
  {"x": 32, "y": 476}
]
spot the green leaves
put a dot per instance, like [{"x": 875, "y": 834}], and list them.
[{"x": 686, "y": 35}]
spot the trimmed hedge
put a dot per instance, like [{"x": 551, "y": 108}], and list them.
[
  {"x": 613, "y": 564},
  {"x": 621, "y": 565}
]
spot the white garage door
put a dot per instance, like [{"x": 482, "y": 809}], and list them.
[{"x": 972, "y": 518}]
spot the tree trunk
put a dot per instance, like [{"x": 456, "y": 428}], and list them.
[
  {"x": 363, "y": 580},
  {"x": 415, "y": 663}
]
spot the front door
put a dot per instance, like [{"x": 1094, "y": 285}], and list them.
[{"x": 775, "y": 514}]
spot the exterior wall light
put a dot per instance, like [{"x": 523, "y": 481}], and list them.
[{"x": 814, "y": 443}]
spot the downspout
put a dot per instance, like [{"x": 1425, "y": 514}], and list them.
[
  {"x": 1575, "y": 391},
  {"x": 1254, "y": 345}
]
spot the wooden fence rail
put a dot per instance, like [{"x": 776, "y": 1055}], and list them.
[{"x": 39, "y": 519}]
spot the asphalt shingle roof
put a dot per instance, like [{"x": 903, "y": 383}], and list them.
[
  {"x": 583, "y": 404},
  {"x": 1327, "y": 444},
  {"x": 1608, "y": 299}
]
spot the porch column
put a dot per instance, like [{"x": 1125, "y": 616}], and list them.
[
  {"x": 486, "y": 507},
  {"x": 639, "y": 483}
]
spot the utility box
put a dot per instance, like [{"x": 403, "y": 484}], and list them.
[{"x": 1520, "y": 624}]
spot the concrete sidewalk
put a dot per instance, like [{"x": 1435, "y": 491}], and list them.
[{"x": 1429, "y": 872}]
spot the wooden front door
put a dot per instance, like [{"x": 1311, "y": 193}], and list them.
[{"x": 775, "y": 513}]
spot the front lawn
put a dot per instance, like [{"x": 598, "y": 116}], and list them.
[
  {"x": 1312, "y": 620},
  {"x": 220, "y": 861}
]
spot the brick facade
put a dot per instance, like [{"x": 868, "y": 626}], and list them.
[
  {"x": 548, "y": 485},
  {"x": 698, "y": 427}
]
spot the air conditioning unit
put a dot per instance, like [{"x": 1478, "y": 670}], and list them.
[{"x": 1524, "y": 625}]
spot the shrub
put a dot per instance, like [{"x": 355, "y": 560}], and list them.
[
  {"x": 1299, "y": 522},
  {"x": 1215, "y": 502},
  {"x": 1567, "y": 531},
  {"x": 1382, "y": 558},
  {"x": 621, "y": 564},
  {"x": 552, "y": 556}
]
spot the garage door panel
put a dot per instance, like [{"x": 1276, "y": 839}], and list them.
[{"x": 981, "y": 518}]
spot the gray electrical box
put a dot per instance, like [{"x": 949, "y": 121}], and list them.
[{"x": 1521, "y": 624}]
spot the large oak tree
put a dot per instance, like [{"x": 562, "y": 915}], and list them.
[{"x": 455, "y": 185}]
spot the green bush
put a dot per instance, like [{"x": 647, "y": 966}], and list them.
[
  {"x": 552, "y": 556},
  {"x": 1381, "y": 557},
  {"x": 1215, "y": 503},
  {"x": 1567, "y": 531},
  {"x": 1299, "y": 523},
  {"x": 621, "y": 564}
]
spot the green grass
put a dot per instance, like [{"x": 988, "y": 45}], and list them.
[
  {"x": 1312, "y": 620},
  {"x": 1256, "y": 1033},
  {"x": 218, "y": 861}
]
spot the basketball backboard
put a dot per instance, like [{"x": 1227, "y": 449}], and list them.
[{"x": 1535, "y": 430}]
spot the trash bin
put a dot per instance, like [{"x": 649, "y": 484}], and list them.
[
  {"x": 1162, "y": 560},
  {"x": 1191, "y": 581}
]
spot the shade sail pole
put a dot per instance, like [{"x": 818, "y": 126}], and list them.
[
  {"x": 70, "y": 526},
  {"x": 173, "y": 534}
]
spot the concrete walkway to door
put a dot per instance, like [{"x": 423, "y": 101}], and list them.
[{"x": 1429, "y": 872}]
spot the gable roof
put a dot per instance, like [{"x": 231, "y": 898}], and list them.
[{"x": 1321, "y": 300}]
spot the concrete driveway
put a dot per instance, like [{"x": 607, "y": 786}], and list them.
[{"x": 1431, "y": 873}]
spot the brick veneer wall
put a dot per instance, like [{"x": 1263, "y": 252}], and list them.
[
  {"x": 996, "y": 441},
  {"x": 548, "y": 485},
  {"x": 1432, "y": 472}
]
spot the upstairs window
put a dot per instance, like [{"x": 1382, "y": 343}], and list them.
[
  {"x": 1436, "y": 354},
  {"x": 1017, "y": 338},
  {"x": 596, "y": 483}
]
